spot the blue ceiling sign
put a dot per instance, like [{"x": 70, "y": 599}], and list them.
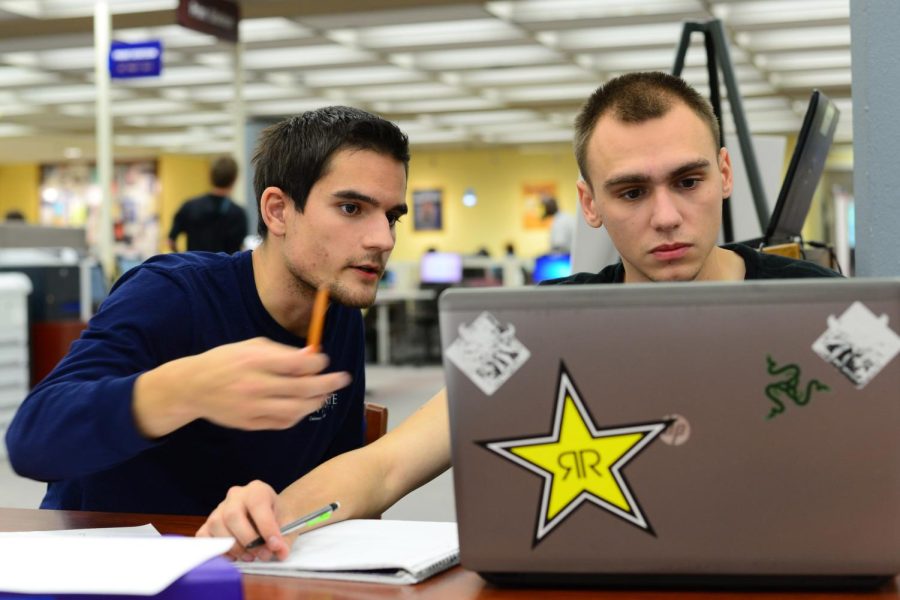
[{"x": 143, "y": 59}]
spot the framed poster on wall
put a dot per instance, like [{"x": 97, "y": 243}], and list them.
[
  {"x": 427, "y": 210},
  {"x": 532, "y": 208}
]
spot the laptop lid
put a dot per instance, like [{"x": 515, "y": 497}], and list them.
[
  {"x": 804, "y": 171},
  {"x": 714, "y": 429}
]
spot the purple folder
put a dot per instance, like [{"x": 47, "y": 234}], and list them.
[{"x": 216, "y": 579}]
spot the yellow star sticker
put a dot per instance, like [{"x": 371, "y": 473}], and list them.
[{"x": 580, "y": 462}]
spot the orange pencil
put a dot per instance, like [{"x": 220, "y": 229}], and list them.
[{"x": 317, "y": 320}]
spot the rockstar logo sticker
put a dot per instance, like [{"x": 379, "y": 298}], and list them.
[{"x": 580, "y": 462}]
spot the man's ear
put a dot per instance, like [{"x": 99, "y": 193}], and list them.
[
  {"x": 727, "y": 173},
  {"x": 273, "y": 206},
  {"x": 588, "y": 205}
]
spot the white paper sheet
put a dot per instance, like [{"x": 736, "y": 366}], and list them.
[
  {"x": 100, "y": 564},
  {"x": 385, "y": 551},
  {"x": 147, "y": 530}
]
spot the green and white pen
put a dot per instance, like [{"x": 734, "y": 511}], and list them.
[{"x": 313, "y": 518}]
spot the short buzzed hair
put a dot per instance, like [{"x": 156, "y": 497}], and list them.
[{"x": 635, "y": 98}]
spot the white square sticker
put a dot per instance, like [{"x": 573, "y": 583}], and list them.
[
  {"x": 487, "y": 352},
  {"x": 858, "y": 343}
]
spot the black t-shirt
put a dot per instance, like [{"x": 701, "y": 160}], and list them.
[
  {"x": 212, "y": 223},
  {"x": 758, "y": 266}
]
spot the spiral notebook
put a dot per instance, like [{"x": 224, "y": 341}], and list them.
[{"x": 374, "y": 551}]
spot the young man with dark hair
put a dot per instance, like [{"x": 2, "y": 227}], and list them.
[
  {"x": 654, "y": 175},
  {"x": 212, "y": 222},
  {"x": 195, "y": 376}
]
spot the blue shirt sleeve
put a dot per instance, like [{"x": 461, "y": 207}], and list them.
[{"x": 79, "y": 419}]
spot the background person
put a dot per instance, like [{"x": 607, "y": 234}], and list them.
[
  {"x": 212, "y": 222},
  {"x": 562, "y": 228}
]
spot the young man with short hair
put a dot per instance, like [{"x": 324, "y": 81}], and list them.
[
  {"x": 194, "y": 376},
  {"x": 647, "y": 146},
  {"x": 653, "y": 174}
]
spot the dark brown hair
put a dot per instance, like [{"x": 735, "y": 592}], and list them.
[
  {"x": 295, "y": 153},
  {"x": 635, "y": 98}
]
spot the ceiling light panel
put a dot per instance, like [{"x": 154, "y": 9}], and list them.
[
  {"x": 271, "y": 29},
  {"x": 536, "y": 137},
  {"x": 419, "y": 91},
  {"x": 478, "y": 58},
  {"x": 171, "y": 36},
  {"x": 643, "y": 60},
  {"x": 14, "y": 130},
  {"x": 376, "y": 75},
  {"x": 13, "y": 109},
  {"x": 540, "y": 75},
  {"x": 204, "y": 146},
  {"x": 780, "y": 13},
  {"x": 47, "y": 9},
  {"x": 175, "y": 139},
  {"x": 425, "y": 14},
  {"x": 252, "y": 92},
  {"x": 149, "y": 106},
  {"x": 696, "y": 73},
  {"x": 68, "y": 93},
  {"x": 794, "y": 39},
  {"x": 76, "y": 59},
  {"x": 442, "y": 105},
  {"x": 438, "y": 136},
  {"x": 596, "y": 38},
  {"x": 182, "y": 119},
  {"x": 487, "y": 117},
  {"x": 222, "y": 131},
  {"x": 572, "y": 11},
  {"x": 805, "y": 61},
  {"x": 812, "y": 79},
  {"x": 18, "y": 76},
  {"x": 577, "y": 92},
  {"x": 179, "y": 76},
  {"x": 304, "y": 56},
  {"x": 508, "y": 128},
  {"x": 434, "y": 34}
]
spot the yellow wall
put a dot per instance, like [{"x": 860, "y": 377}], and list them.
[
  {"x": 180, "y": 177},
  {"x": 497, "y": 176},
  {"x": 20, "y": 189}
]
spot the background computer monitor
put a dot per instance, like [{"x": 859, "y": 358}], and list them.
[
  {"x": 440, "y": 267},
  {"x": 551, "y": 266},
  {"x": 804, "y": 171}
]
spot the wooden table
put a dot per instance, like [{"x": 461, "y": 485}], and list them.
[{"x": 456, "y": 584}]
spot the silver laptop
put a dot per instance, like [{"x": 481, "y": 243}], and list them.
[{"x": 701, "y": 434}]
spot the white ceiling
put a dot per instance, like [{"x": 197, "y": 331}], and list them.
[{"x": 450, "y": 72}]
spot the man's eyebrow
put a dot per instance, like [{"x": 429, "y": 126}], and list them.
[
  {"x": 360, "y": 197},
  {"x": 637, "y": 178}
]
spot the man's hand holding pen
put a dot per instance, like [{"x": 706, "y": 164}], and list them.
[{"x": 251, "y": 513}]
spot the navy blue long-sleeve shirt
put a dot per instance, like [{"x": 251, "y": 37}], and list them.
[{"x": 76, "y": 429}]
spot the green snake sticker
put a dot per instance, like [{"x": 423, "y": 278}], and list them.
[{"x": 789, "y": 388}]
